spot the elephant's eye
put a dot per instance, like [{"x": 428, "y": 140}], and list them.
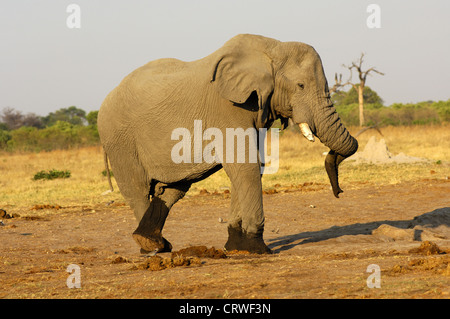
[{"x": 301, "y": 85}]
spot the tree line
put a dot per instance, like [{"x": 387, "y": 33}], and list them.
[
  {"x": 65, "y": 128},
  {"x": 72, "y": 127},
  {"x": 11, "y": 119},
  {"x": 362, "y": 106},
  {"x": 375, "y": 113}
]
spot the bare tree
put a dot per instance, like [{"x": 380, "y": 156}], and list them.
[
  {"x": 359, "y": 87},
  {"x": 12, "y": 118},
  {"x": 337, "y": 83}
]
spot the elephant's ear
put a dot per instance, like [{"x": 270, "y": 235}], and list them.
[{"x": 237, "y": 74}]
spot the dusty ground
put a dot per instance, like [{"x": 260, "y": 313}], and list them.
[{"x": 323, "y": 247}]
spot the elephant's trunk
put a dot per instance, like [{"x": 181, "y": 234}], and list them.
[{"x": 331, "y": 132}]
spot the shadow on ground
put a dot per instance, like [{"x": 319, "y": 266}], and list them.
[{"x": 433, "y": 219}]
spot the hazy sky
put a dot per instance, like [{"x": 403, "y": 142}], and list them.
[{"x": 44, "y": 65}]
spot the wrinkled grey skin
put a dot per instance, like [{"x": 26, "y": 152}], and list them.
[{"x": 248, "y": 83}]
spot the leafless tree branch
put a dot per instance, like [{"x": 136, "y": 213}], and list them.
[{"x": 359, "y": 87}]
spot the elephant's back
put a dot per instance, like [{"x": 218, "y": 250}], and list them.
[
  {"x": 163, "y": 66},
  {"x": 162, "y": 71},
  {"x": 148, "y": 83},
  {"x": 140, "y": 114},
  {"x": 155, "y": 81}
]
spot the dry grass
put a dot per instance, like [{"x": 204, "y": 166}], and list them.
[
  {"x": 300, "y": 162},
  {"x": 84, "y": 187},
  {"x": 432, "y": 142}
]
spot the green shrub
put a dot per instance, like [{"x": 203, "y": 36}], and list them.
[
  {"x": 422, "y": 113},
  {"x": 5, "y": 136},
  {"x": 443, "y": 110},
  {"x": 110, "y": 173},
  {"x": 52, "y": 174},
  {"x": 61, "y": 135}
]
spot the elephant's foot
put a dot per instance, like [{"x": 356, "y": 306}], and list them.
[
  {"x": 241, "y": 240},
  {"x": 153, "y": 243}
]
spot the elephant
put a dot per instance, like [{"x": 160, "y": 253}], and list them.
[{"x": 249, "y": 82}]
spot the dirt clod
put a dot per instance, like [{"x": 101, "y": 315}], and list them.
[
  {"x": 427, "y": 248},
  {"x": 119, "y": 260},
  {"x": 431, "y": 264},
  {"x": 157, "y": 263},
  {"x": 45, "y": 206},
  {"x": 270, "y": 191},
  {"x": 200, "y": 251},
  {"x": 5, "y": 215},
  {"x": 76, "y": 250}
]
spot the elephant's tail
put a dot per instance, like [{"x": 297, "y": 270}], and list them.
[{"x": 108, "y": 173}]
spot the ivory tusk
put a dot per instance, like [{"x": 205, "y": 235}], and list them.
[{"x": 306, "y": 131}]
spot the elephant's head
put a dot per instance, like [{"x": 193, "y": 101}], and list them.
[{"x": 289, "y": 80}]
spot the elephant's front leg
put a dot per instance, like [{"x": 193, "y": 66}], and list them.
[
  {"x": 235, "y": 215},
  {"x": 246, "y": 227}
]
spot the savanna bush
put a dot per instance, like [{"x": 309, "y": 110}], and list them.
[
  {"x": 52, "y": 174},
  {"x": 421, "y": 113},
  {"x": 61, "y": 135},
  {"x": 68, "y": 134},
  {"x": 5, "y": 136}
]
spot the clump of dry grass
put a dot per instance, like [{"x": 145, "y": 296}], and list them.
[{"x": 300, "y": 161}]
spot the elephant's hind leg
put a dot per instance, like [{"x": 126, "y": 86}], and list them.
[{"x": 148, "y": 234}]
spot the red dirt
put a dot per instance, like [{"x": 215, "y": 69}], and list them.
[
  {"x": 322, "y": 247},
  {"x": 200, "y": 251}
]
